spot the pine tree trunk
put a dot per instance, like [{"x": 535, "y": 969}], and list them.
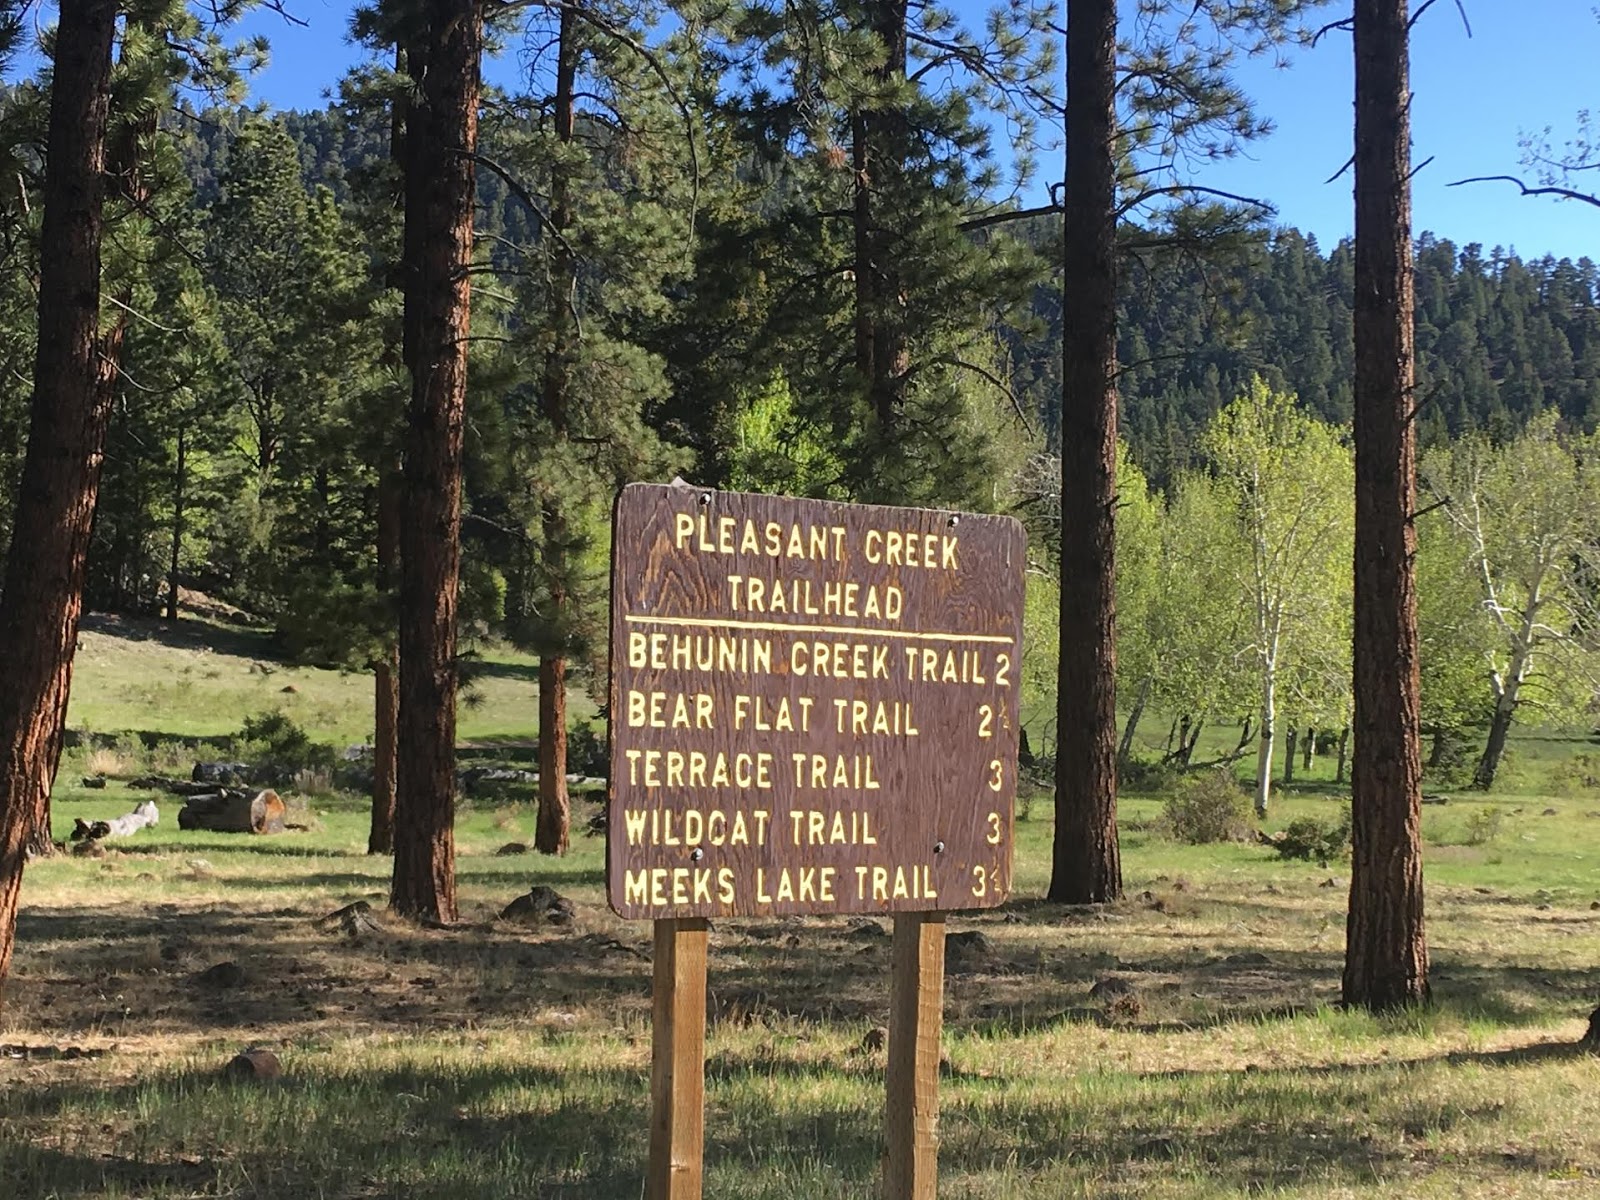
[
  {"x": 441, "y": 135},
  {"x": 1494, "y": 749},
  {"x": 385, "y": 715},
  {"x": 1437, "y": 748},
  {"x": 44, "y": 571},
  {"x": 391, "y": 501},
  {"x": 179, "y": 482},
  {"x": 1086, "y": 862},
  {"x": 1128, "y": 730},
  {"x": 1344, "y": 754},
  {"x": 551, "y": 828},
  {"x": 386, "y": 675},
  {"x": 552, "y": 831},
  {"x": 877, "y": 153},
  {"x": 1290, "y": 747},
  {"x": 1386, "y": 951}
]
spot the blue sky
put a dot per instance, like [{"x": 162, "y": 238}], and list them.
[{"x": 1529, "y": 63}]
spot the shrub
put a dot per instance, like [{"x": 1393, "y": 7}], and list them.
[
  {"x": 1311, "y": 840},
  {"x": 313, "y": 781},
  {"x": 1146, "y": 775},
  {"x": 1580, "y": 773},
  {"x": 1208, "y": 808},
  {"x": 107, "y": 760},
  {"x": 587, "y": 752},
  {"x": 275, "y": 737},
  {"x": 1483, "y": 826}
]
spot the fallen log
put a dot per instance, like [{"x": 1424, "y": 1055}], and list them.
[
  {"x": 175, "y": 787},
  {"x": 145, "y": 814},
  {"x": 234, "y": 812}
]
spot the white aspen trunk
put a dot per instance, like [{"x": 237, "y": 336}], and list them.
[{"x": 1269, "y": 724}]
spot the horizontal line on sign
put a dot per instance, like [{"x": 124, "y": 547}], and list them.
[{"x": 781, "y": 627}]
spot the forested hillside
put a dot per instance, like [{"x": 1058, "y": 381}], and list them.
[
  {"x": 1500, "y": 337},
  {"x": 241, "y": 458}
]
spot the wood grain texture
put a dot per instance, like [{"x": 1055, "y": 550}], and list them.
[
  {"x": 900, "y": 683},
  {"x": 916, "y": 1018},
  {"x": 677, "y": 1061}
]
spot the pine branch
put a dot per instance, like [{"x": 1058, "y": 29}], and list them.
[
  {"x": 1002, "y": 218},
  {"x": 951, "y": 360}
]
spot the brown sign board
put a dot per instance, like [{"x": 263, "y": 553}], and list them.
[{"x": 814, "y": 706}]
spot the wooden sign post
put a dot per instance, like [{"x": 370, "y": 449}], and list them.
[
  {"x": 678, "y": 1060},
  {"x": 813, "y": 711},
  {"x": 916, "y": 1017}
]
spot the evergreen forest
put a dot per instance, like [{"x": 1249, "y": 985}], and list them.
[{"x": 313, "y": 425}]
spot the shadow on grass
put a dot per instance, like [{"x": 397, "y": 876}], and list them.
[
  {"x": 482, "y": 668},
  {"x": 775, "y": 1128},
  {"x": 427, "y": 1134},
  {"x": 188, "y": 633},
  {"x": 85, "y": 967},
  {"x": 243, "y": 844}
]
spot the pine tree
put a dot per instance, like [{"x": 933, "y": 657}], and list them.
[
  {"x": 43, "y": 588},
  {"x": 608, "y": 180},
  {"x": 1386, "y": 954},
  {"x": 1086, "y": 863},
  {"x": 441, "y": 139}
]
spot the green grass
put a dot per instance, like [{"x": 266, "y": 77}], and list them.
[
  {"x": 494, "y": 1060},
  {"x": 198, "y": 679}
]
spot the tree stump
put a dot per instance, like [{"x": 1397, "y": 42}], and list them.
[{"x": 234, "y": 812}]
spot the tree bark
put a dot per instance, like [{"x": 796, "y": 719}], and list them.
[
  {"x": 44, "y": 571},
  {"x": 1176, "y": 753},
  {"x": 552, "y": 824},
  {"x": 1086, "y": 862},
  {"x": 1267, "y": 741},
  {"x": 386, "y": 675},
  {"x": 1386, "y": 951},
  {"x": 391, "y": 501},
  {"x": 877, "y": 153},
  {"x": 1290, "y": 748},
  {"x": 1310, "y": 747},
  {"x": 441, "y": 136},
  {"x": 553, "y": 828},
  {"x": 1186, "y": 755},
  {"x": 179, "y": 484},
  {"x": 1494, "y": 749},
  {"x": 1344, "y": 754}
]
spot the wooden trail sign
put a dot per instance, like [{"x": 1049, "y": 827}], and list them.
[
  {"x": 813, "y": 706},
  {"x": 814, "y": 710}
]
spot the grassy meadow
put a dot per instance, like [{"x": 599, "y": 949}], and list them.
[{"x": 495, "y": 1060}]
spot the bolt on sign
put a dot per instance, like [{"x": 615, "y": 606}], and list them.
[{"x": 814, "y": 706}]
